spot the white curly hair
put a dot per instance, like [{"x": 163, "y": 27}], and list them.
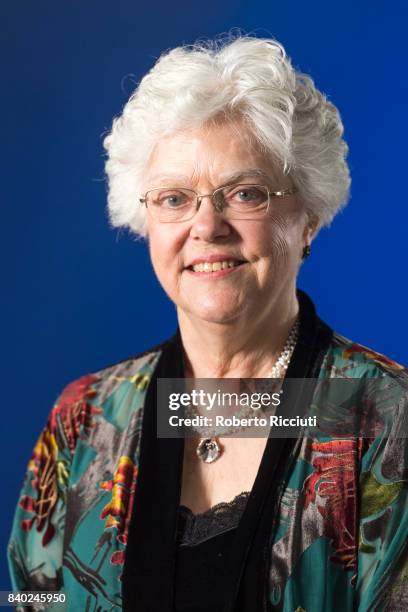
[{"x": 240, "y": 76}]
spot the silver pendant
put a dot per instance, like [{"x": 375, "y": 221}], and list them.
[{"x": 208, "y": 450}]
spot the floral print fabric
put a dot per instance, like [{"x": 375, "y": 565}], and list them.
[{"x": 342, "y": 523}]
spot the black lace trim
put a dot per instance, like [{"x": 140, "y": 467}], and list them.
[{"x": 197, "y": 528}]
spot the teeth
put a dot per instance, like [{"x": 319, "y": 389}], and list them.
[{"x": 214, "y": 267}]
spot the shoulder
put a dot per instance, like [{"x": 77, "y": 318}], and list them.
[
  {"x": 346, "y": 358},
  {"x": 368, "y": 402},
  {"x": 135, "y": 369},
  {"x": 358, "y": 381},
  {"x": 113, "y": 393}
]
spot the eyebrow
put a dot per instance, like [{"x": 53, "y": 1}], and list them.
[
  {"x": 168, "y": 177},
  {"x": 225, "y": 179},
  {"x": 236, "y": 176}
]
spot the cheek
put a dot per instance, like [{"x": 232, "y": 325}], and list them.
[
  {"x": 157, "y": 254},
  {"x": 165, "y": 255},
  {"x": 279, "y": 240},
  {"x": 280, "y": 248}
]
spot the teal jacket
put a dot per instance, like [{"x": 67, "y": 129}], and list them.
[{"x": 96, "y": 516}]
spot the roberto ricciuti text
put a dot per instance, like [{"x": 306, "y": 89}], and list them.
[{"x": 234, "y": 421}]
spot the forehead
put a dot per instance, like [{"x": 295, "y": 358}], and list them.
[{"x": 214, "y": 154}]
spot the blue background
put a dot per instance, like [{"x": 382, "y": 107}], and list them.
[{"x": 78, "y": 296}]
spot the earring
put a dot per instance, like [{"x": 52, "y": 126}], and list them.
[{"x": 306, "y": 251}]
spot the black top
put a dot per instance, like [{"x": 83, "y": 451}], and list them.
[
  {"x": 204, "y": 541},
  {"x": 149, "y": 576}
]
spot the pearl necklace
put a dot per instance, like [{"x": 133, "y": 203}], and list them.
[
  {"x": 281, "y": 364},
  {"x": 208, "y": 448}
]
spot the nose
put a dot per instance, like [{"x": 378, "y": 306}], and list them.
[{"x": 208, "y": 224}]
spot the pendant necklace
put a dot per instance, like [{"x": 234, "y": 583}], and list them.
[{"x": 209, "y": 449}]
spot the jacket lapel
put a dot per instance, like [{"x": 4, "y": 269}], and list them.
[
  {"x": 148, "y": 575},
  {"x": 248, "y": 575}
]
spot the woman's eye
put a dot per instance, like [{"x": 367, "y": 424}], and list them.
[
  {"x": 172, "y": 200},
  {"x": 245, "y": 195},
  {"x": 249, "y": 195}
]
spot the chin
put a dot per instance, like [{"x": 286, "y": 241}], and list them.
[{"x": 214, "y": 313}]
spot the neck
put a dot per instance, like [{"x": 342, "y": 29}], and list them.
[{"x": 240, "y": 348}]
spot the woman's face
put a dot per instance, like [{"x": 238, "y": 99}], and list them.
[{"x": 268, "y": 250}]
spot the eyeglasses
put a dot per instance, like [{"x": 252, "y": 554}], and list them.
[{"x": 241, "y": 201}]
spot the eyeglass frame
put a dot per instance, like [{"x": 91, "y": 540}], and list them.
[{"x": 282, "y": 193}]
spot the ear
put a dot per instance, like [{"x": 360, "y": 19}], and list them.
[{"x": 311, "y": 228}]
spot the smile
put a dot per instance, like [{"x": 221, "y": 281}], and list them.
[
  {"x": 215, "y": 269},
  {"x": 216, "y": 266}
]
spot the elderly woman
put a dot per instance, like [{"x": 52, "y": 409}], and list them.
[{"x": 229, "y": 162}]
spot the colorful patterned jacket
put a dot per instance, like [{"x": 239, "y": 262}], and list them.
[{"x": 96, "y": 516}]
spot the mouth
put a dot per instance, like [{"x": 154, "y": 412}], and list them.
[{"x": 218, "y": 268}]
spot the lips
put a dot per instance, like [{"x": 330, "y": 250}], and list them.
[
  {"x": 214, "y": 263},
  {"x": 214, "y": 267}
]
